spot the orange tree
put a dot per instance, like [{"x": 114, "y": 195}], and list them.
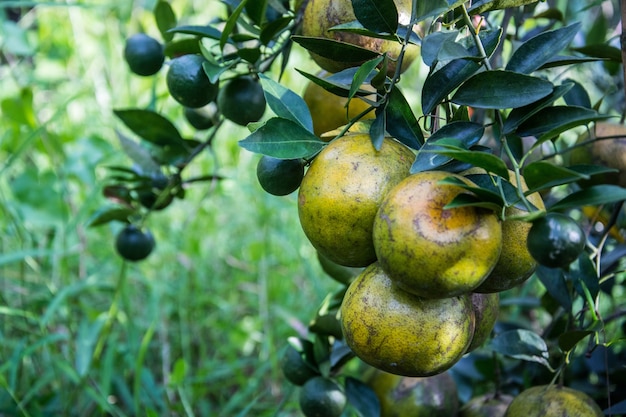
[{"x": 500, "y": 107}]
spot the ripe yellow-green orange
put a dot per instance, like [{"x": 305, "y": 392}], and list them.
[
  {"x": 402, "y": 396},
  {"x": 321, "y": 15},
  {"x": 433, "y": 251},
  {"x": 398, "y": 332},
  {"x": 322, "y": 397},
  {"x": 553, "y": 401},
  {"x": 610, "y": 152},
  {"x": 486, "y": 405},
  {"x": 486, "y": 310},
  {"x": 329, "y": 111},
  {"x": 515, "y": 264},
  {"x": 341, "y": 192}
]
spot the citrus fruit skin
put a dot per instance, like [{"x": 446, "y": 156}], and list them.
[
  {"x": 143, "y": 54},
  {"x": 322, "y": 397},
  {"x": 401, "y": 396},
  {"x": 430, "y": 251},
  {"x": 341, "y": 192},
  {"x": 242, "y": 100},
  {"x": 279, "y": 176},
  {"x": 515, "y": 264},
  {"x": 329, "y": 111},
  {"x": 321, "y": 15},
  {"x": 397, "y": 332},
  {"x": 134, "y": 244},
  {"x": 197, "y": 118},
  {"x": 555, "y": 240},
  {"x": 295, "y": 368},
  {"x": 188, "y": 83},
  {"x": 486, "y": 405},
  {"x": 486, "y": 309},
  {"x": 553, "y": 401}
]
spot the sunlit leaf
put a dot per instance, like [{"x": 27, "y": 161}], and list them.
[
  {"x": 165, "y": 19},
  {"x": 285, "y": 103},
  {"x": 231, "y": 23},
  {"x": 150, "y": 126}
]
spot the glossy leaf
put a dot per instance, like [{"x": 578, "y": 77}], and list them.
[
  {"x": 285, "y": 103},
  {"x": 337, "y": 83},
  {"x": 442, "y": 46},
  {"x": 602, "y": 51},
  {"x": 150, "y": 126},
  {"x": 519, "y": 115},
  {"x": 377, "y": 129},
  {"x": 272, "y": 29},
  {"x": 482, "y": 6},
  {"x": 484, "y": 160},
  {"x": 563, "y": 60},
  {"x": 335, "y": 50},
  {"x": 231, "y": 23},
  {"x": 283, "y": 138},
  {"x": 540, "y": 175},
  {"x": 501, "y": 90},
  {"x": 425, "y": 9},
  {"x": 196, "y": 30},
  {"x": 401, "y": 122},
  {"x": 362, "y": 398},
  {"x": 556, "y": 286},
  {"x": 439, "y": 84},
  {"x": 466, "y": 133},
  {"x": 256, "y": 11},
  {"x": 569, "y": 340},
  {"x": 376, "y": 15},
  {"x": 552, "y": 121},
  {"x": 521, "y": 344},
  {"x": 110, "y": 214},
  {"x": 165, "y": 19},
  {"x": 584, "y": 277},
  {"x": 538, "y": 50},
  {"x": 592, "y": 196},
  {"x": 577, "y": 96}
]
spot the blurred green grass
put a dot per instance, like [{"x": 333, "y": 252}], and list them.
[{"x": 197, "y": 329}]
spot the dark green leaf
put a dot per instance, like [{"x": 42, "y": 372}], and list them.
[
  {"x": 363, "y": 74},
  {"x": 468, "y": 200},
  {"x": 283, "y": 138},
  {"x": 340, "y": 354},
  {"x": 592, "y": 196},
  {"x": 256, "y": 11},
  {"x": 552, "y": 121},
  {"x": 272, "y": 29},
  {"x": 569, "y": 340},
  {"x": 584, "y": 277},
  {"x": 139, "y": 154},
  {"x": 541, "y": 175},
  {"x": 286, "y": 103},
  {"x": 182, "y": 47},
  {"x": 538, "y": 50},
  {"x": 558, "y": 61},
  {"x": 501, "y": 90},
  {"x": 110, "y": 214},
  {"x": 554, "y": 282},
  {"x": 250, "y": 55},
  {"x": 231, "y": 24},
  {"x": 202, "y": 31},
  {"x": 479, "y": 159},
  {"x": 467, "y": 133},
  {"x": 335, "y": 50},
  {"x": 445, "y": 80},
  {"x": 425, "y": 9},
  {"x": 551, "y": 13},
  {"x": 488, "y": 195},
  {"x": 577, "y": 96},
  {"x": 165, "y": 19},
  {"x": 442, "y": 46},
  {"x": 602, "y": 50},
  {"x": 362, "y": 398},
  {"x": 377, "y": 129},
  {"x": 150, "y": 126},
  {"x": 357, "y": 28},
  {"x": 376, "y": 15},
  {"x": 401, "y": 122},
  {"x": 519, "y": 115},
  {"x": 521, "y": 344},
  {"x": 482, "y": 6},
  {"x": 337, "y": 83}
]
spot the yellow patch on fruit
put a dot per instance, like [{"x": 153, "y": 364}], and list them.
[
  {"x": 397, "y": 332},
  {"x": 429, "y": 250},
  {"x": 341, "y": 192},
  {"x": 553, "y": 401}
]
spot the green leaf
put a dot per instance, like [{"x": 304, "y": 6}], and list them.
[
  {"x": 442, "y": 82},
  {"x": 554, "y": 282},
  {"x": 165, "y": 19},
  {"x": 482, "y": 6},
  {"x": 250, "y": 55},
  {"x": 424, "y": 9},
  {"x": 479, "y": 159},
  {"x": 110, "y": 214},
  {"x": 442, "y": 46},
  {"x": 339, "y": 84},
  {"x": 521, "y": 114},
  {"x": 273, "y": 29},
  {"x": 487, "y": 194},
  {"x": 362, "y": 397},
  {"x": 521, "y": 344},
  {"x": 363, "y": 74},
  {"x": 376, "y": 15},
  {"x": 540, "y": 175},
  {"x": 602, "y": 51},
  {"x": 468, "y": 200},
  {"x": 256, "y": 11},
  {"x": 285, "y": 103},
  {"x": 283, "y": 138},
  {"x": 566, "y": 60},
  {"x": 552, "y": 121},
  {"x": 377, "y": 129},
  {"x": 467, "y": 133},
  {"x": 139, "y": 154},
  {"x": 592, "y": 196},
  {"x": 401, "y": 122},
  {"x": 202, "y": 31},
  {"x": 538, "y": 50},
  {"x": 150, "y": 126},
  {"x": 569, "y": 340},
  {"x": 585, "y": 277},
  {"x": 577, "y": 95},
  {"x": 231, "y": 24},
  {"x": 499, "y": 89},
  {"x": 335, "y": 50}
]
